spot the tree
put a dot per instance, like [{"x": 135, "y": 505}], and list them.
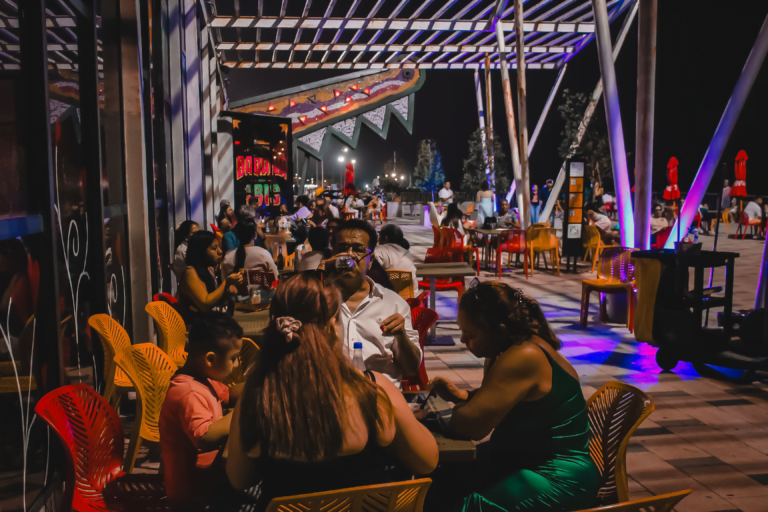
[
  {"x": 428, "y": 174},
  {"x": 594, "y": 147},
  {"x": 476, "y": 164}
]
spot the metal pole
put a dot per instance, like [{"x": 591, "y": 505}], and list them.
[
  {"x": 724, "y": 129},
  {"x": 522, "y": 109},
  {"x": 547, "y": 105},
  {"x": 646, "y": 95},
  {"x": 521, "y": 196},
  {"x": 589, "y": 112},
  {"x": 613, "y": 119},
  {"x": 479, "y": 97},
  {"x": 717, "y": 231}
]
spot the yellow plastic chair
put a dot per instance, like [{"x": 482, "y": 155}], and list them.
[
  {"x": 150, "y": 370},
  {"x": 114, "y": 340},
  {"x": 616, "y": 274},
  {"x": 405, "y": 496},
  {"x": 661, "y": 503},
  {"x": 592, "y": 242},
  {"x": 246, "y": 359},
  {"x": 171, "y": 331},
  {"x": 615, "y": 411},
  {"x": 402, "y": 280},
  {"x": 543, "y": 239}
]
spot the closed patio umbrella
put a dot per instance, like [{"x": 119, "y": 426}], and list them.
[
  {"x": 672, "y": 192},
  {"x": 739, "y": 188}
]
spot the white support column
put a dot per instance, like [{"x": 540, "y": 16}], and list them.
[
  {"x": 547, "y": 106},
  {"x": 193, "y": 135},
  {"x": 589, "y": 111},
  {"x": 179, "y": 198},
  {"x": 646, "y": 95},
  {"x": 613, "y": 119},
  {"x": 521, "y": 203},
  {"x": 205, "y": 79}
]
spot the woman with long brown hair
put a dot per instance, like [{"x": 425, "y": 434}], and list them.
[{"x": 309, "y": 421}]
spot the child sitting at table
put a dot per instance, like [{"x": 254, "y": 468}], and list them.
[{"x": 192, "y": 427}]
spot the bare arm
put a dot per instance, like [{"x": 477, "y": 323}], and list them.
[
  {"x": 216, "y": 436},
  {"x": 198, "y": 293},
  {"x": 242, "y": 468},
  {"x": 408, "y": 354},
  {"x": 513, "y": 376},
  {"x": 414, "y": 445}
]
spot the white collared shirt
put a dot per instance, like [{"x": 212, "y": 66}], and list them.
[
  {"x": 446, "y": 195},
  {"x": 394, "y": 257},
  {"x": 364, "y": 326}
]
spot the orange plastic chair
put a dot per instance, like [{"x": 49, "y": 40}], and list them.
[
  {"x": 745, "y": 222},
  {"x": 92, "y": 435},
  {"x": 171, "y": 331},
  {"x": 453, "y": 238},
  {"x": 544, "y": 239},
  {"x": 402, "y": 280},
  {"x": 405, "y": 496},
  {"x": 246, "y": 359},
  {"x": 512, "y": 241},
  {"x": 660, "y": 503},
  {"x": 114, "y": 340},
  {"x": 615, "y": 411},
  {"x": 150, "y": 370},
  {"x": 615, "y": 274},
  {"x": 422, "y": 320},
  {"x": 592, "y": 242}
]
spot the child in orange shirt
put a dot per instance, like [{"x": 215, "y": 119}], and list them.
[{"x": 192, "y": 427}]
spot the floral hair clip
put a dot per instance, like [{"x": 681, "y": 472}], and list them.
[{"x": 288, "y": 325}]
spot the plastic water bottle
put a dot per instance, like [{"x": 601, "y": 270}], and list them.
[{"x": 357, "y": 358}]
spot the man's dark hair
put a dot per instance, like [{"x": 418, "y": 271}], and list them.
[
  {"x": 213, "y": 332},
  {"x": 394, "y": 235},
  {"x": 302, "y": 200},
  {"x": 318, "y": 238},
  {"x": 253, "y": 200},
  {"x": 361, "y": 225},
  {"x": 484, "y": 186}
]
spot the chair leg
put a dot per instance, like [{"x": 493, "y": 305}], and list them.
[
  {"x": 531, "y": 262},
  {"x": 557, "y": 259},
  {"x": 498, "y": 263},
  {"x": 525, "y": 265},
  {"x": 603, "y": 309},
  {"x": 133, "y": 446},
  {"x": 585, "y": 292},
  {"x": 631, "y": 309}
]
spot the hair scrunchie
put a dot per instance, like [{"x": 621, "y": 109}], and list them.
[{"x": 288, "y": 325}]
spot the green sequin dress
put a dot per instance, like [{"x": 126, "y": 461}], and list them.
[{"x": 536, "y": 460}]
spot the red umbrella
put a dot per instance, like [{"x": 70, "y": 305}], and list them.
[
  {"x": 739, "y": 188},
  {"x": 672, "y": 191}
]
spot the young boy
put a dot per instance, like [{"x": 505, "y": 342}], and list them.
[{"x": 192, "y": 428}]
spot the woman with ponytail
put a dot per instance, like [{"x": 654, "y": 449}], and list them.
[
  {"x": 308, "y": 420},
  {"x": 247, "y": 255},
  {"x": 530, "y": 402}
]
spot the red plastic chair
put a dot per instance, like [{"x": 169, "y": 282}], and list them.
[
  {"x": 746, "y": 223},
  {"x": 422, "y": 320},
  {"x": 455, "y": 240},
  {"x": 438, "y": 237},
  {"x": 418, "y": 302},
  {"x": 165, "y": 297},
  {"x": 662, "y": 237},
  {"x": 93, "y": 441},
  {"x": 512, "y": 241},
  {"x": 442, "y": 255}
]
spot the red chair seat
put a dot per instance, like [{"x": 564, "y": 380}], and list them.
[{"x": 422, "y": 320}]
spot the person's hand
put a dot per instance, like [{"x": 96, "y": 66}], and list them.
[
  {"x": 447, "y": 390},
  {"x": 330, "y": 261},
  {"x": 235, "y": 279},
  {"x": 393, "y": 325}
]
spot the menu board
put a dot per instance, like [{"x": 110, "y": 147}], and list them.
[
  {"x": 574, "y": 209},
  {"x": 262, "y": 160}
]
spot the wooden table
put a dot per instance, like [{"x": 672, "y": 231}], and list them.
[
  {"x": 252, "y": 322},
  {"x": 490, "y": 235},
  {"x": 451, "y": 450},
  {"x": 434, "y": 271}
]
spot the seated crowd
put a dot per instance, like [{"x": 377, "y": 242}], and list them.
[{"x": 307, "y": 420}]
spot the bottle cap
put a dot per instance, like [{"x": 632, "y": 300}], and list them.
[{"x": 358, "y": 345}]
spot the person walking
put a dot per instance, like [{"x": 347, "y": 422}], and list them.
[{"x": 535, "y": 202}]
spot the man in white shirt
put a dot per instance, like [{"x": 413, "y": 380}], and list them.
[
  {"x": 393, "y": 253},
  {"x": 372, "y": 315},
  {"x": 303, "y": 212},
  {"x": 446, "y": 194},
  {"x": 754, "y": 209}
]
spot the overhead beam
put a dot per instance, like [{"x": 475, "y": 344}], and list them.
[
  {"x": 438, "y": 48},
  {"x": 382, "y": 65}
]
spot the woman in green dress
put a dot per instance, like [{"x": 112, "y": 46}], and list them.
[{"x": 537, "y": 458}]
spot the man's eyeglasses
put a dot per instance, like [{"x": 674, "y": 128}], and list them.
[{"x": 359, "y": 251}]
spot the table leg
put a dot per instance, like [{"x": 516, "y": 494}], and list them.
[
  {"x": 432, "y": 293},
  {"x": 728, "y": 308}
]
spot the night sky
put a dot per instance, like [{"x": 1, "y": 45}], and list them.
[{"x": 701, "y": 50}]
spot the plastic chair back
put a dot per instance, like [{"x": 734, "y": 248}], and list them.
[
  {"x": 402, "y": 280},
  {"x": 165, "y": 297},
  {"x": 422, "y": 320},
  {"x": 246, "y": 359},
  {"x": 438, "y": 237},
  {"x": 512, "y": 240},
  {"x": 661, "y": 503},
  {"x": 615, "y": 411},
  {"x": 171, "y": 331},
  {"x": 114, "y": 341},
  {"x": 405, "y": 496},
  {"x": 616, "y": 265},
  {"x": 591, "y": 237},
  {"x": 90, "y": 430},
  {"x": 150, "y": 370},
  {"x": 662, "y": 237},
  {"x": 453, "y": 238},
  {"x": 543, "y": 239}
]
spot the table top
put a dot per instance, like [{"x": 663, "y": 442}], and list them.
[
  {"x": 451, "y": 450},
  {"x": 435, "y": 270},
  {"x": 705, "y": 258},
  {"x": 252, "y": 322},
  {"x": 492, "y": 232}
]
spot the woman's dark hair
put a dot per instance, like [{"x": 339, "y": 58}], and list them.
[
  {"x": 196, "y": 258},
  {"x": 294, "y": 403},
  {"x": 394, "y": 235},
  {"x": 183, "y": 232},
  {"x": 245, "y": 231},
  {"x": 453, "y": 212},
  {"x": 484, "y": 186},
  {"x": 318, "y": 238},
  {"x": 492, "y": 303}
]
